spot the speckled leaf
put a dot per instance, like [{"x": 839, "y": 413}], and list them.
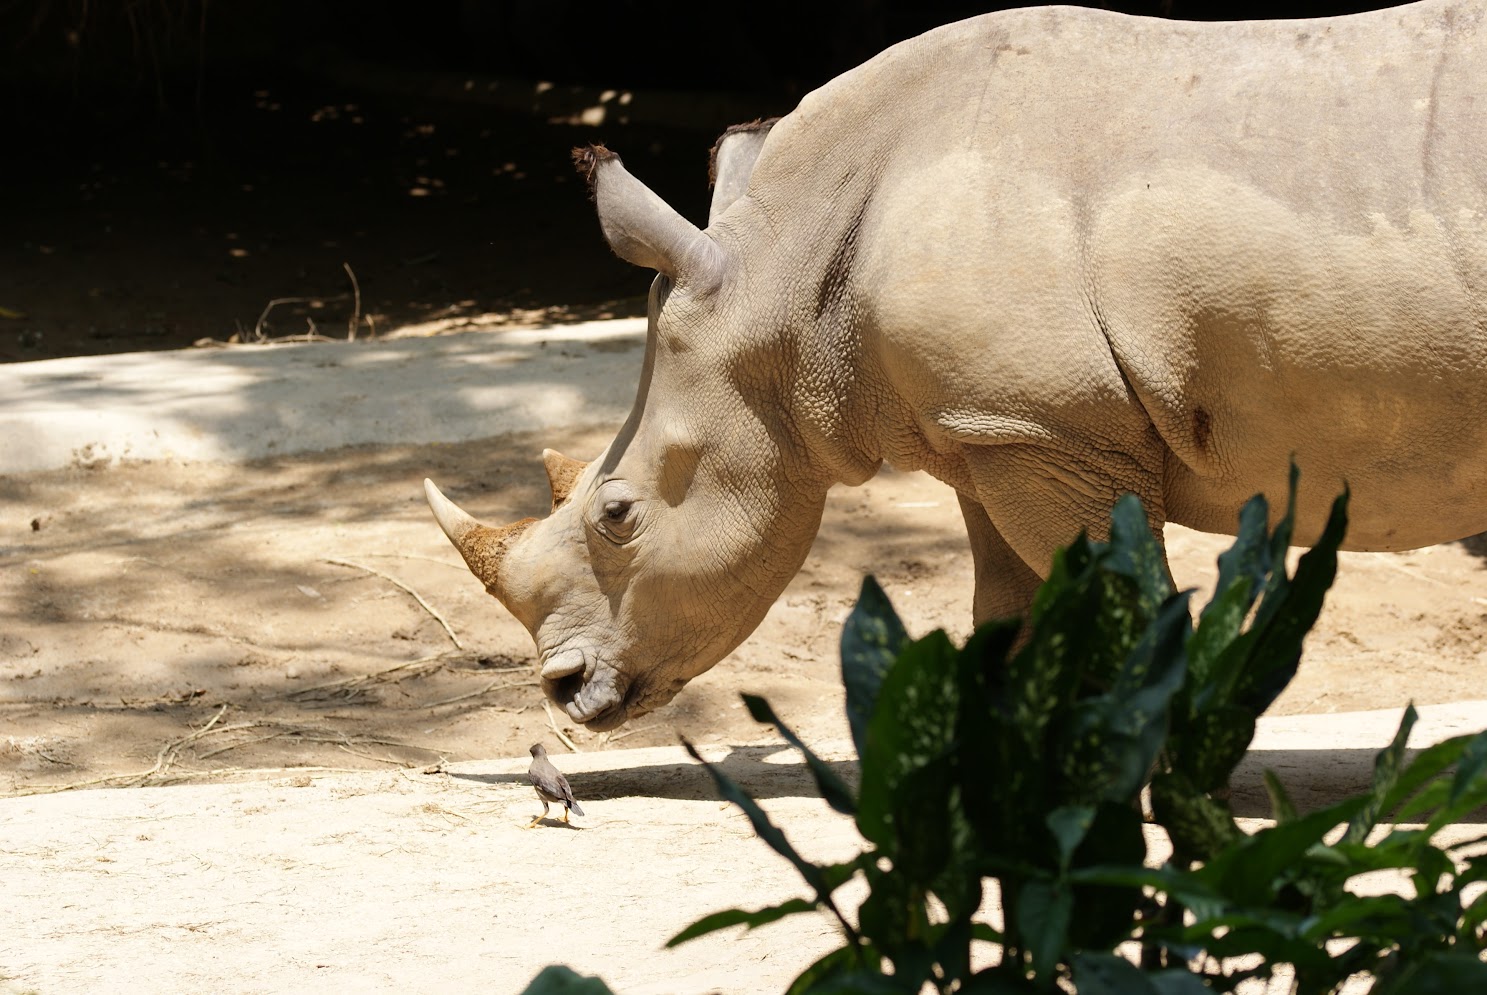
[
  {"x": 1043, "y": 911},
  {"x": 1135, "y": 554},
  {"x": 871, "y": 641}
]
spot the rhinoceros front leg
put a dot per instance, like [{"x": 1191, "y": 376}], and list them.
[
  {"x": 1031, "y": 501},
  {"x": 1004, "y": 583}
]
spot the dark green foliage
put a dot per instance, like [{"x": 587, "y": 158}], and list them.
[{"x": 1023, "y": 762}]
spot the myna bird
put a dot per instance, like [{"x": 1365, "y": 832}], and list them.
[{"x": 551, "y": 785}]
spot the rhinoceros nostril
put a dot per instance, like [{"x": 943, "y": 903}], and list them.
[{"x": 565, "y": 689}]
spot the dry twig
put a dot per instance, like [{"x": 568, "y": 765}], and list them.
[
  {"x": 348, "y": 685},
  {"x": 492, "y": 686},
  {"x": 416, "y": 596},
  {"x": 355, "y": 307},
  {"x": 553, "y": 722}
]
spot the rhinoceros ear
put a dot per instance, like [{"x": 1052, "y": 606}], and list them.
[
  {"x": 562, "y": 473},
  {"x": 731, "y": 162},
  {"x": 641, "y": 227}
]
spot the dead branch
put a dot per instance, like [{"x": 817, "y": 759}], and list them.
[
  {"x": 547, "y": 707},
  {"x": 426, "y": 664},
  {"x": 355, "y": 307},
  {"x": 258, "y": 335},
  {"x": 416, "y": 596},
  {"x": 492, "y": 686}
]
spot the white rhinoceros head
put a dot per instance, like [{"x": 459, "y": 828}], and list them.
[{"x": 663, "y": 554}]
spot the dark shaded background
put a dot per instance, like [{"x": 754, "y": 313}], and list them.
[{"x": 174, "y": 166}]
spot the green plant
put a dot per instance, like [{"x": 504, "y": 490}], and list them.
[{"x": 1021, "y": 763}]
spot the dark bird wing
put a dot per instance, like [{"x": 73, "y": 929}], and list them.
[{"x": 551, "y": 784}]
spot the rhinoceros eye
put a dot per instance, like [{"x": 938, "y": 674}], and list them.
[{"x": 616, "y": 518}]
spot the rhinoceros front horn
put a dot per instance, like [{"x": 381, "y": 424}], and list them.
[{"x": 482, "y": 547}]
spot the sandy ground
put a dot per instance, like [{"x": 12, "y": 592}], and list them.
[
  {"x": 139, "y": 600},
  {"x": 250, "y": 633}
]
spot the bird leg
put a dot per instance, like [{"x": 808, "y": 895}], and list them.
[
  {"x": 542, "y": 816},
  {"x": 565, "y": 815}
]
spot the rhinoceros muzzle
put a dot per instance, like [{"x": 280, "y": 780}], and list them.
[{"x": 587, "y": 690}]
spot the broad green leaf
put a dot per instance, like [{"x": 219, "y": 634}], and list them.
[
  {"x": 830, "y": 968},
  {"x": 1469, "y": 768},
  {"x": 1111, "y": 741},
  {"x": 1199, "y": 826},
  {"x": 1135, "y": 553},
  {"x": 871, "y": 640},
  {"x": 1178, "y": 981},
  {"x": 1362, "y": 916},
  {"x": 1212, "y": 744},
  {"x": 560, "y": 980},
  {"x": 1195, "y": 894},
  {"x": 1000, "y": 980},
  {"x": 740, "y": 917},
  {"x": 1107, "y": 974},
  {"x": 1468, "y": 788},
  {"x": 1243, "y": 568},
  {"x": 892, "y": 912},
  {"x": 1043, "y": 911},
  {"x": 1436, "y": 974},
  {"x": 1282, "y": 623},
  {"x": 1105, "y": 914},
  {"x": 904, "y": 798},
  {"x": 832, "y": 788},
  {"x": 1386, "y": 770},
  {"x": 1249, "y": 873},
  {"x": 1282, "y": 809},
  {"x": 1069, "y": 824},
  {"x": 1420, "y": 776}
]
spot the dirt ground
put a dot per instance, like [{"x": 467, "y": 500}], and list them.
[{"x": 143, "y": 601}]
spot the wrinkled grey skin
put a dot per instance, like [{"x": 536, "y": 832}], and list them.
[{"x": 1050, "y": 256}]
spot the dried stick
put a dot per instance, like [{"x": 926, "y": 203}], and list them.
[
  {"x": 492, "y": 686},
  {"x": 416, "y": 596},
  {"x": 163, "y": 760},
  {"x": 351, "y": 683},
  {"x": 257, "y": 326},
  {"x": 547, "y": 707},
  {"x": 355, "y": 307}
]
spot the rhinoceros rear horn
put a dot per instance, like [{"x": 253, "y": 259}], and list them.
[
  {"x": 562, "y": 473},
  {"x": 641, "y": 227},
  {"x": 482, "y": 547}
]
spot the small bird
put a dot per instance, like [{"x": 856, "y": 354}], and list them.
[{"x": 551, "y": 785}]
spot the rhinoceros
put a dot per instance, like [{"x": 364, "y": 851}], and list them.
[{"x": 1050, "y": 256}]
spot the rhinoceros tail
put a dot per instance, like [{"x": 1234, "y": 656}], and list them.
[{"x": 586, "y": 159}]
